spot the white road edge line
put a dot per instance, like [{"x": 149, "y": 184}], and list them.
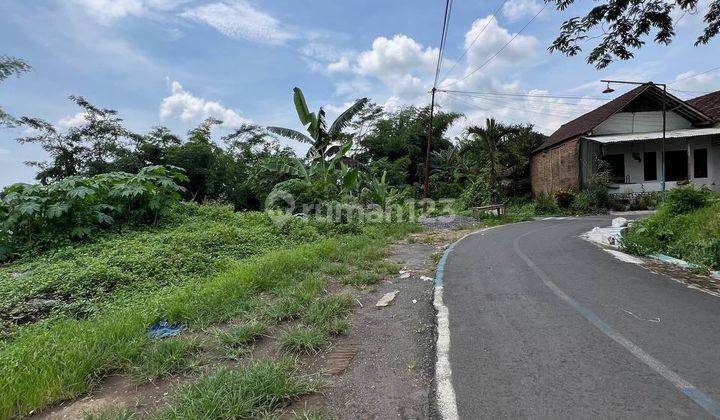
[
  {"x": 444, "y": 391},
  {"x": 700, "y": 398}
]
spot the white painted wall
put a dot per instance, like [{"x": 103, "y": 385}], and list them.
[
  {"x": 640, "y": 122},
  {"x": 634, "y": 173}
]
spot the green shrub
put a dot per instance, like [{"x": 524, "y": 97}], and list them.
[
  {"x": 545, "y": 203},
  {"x": 75, "y": 207},
  {"x": 196, "y": 241},
  {"x": 694, "y": 236},
  {"x": 684, "y": 200},
  {"x": 564, "y": 198},
  {"x": 476, "y": 194}
]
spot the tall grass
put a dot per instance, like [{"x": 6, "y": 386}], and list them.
[{"x": 45, "y": 363}]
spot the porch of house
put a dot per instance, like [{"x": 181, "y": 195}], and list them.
[{"x": 635, "y": 159}]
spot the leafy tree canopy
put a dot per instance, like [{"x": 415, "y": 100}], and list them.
[
  {"x": 623, "y": 26},
  {"x": 10, "y": 66}
]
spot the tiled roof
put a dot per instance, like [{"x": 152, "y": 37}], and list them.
[
  {"x": 699, "y": 110},
  {"x": 592, "y": 119},
  {"x": 709, "y": 104}
]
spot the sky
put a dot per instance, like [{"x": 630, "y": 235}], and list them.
[{"x": 177, "y": 62}]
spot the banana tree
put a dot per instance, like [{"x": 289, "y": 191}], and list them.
[
  {"x": 326, "y": 171},
  {"x": 323, "y": 140}
]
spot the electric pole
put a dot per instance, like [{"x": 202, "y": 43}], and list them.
[{"x": 426, "y": 185}]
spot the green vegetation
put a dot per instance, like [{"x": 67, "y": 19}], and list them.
[
  {"x": 36, "y": 216},
  {"x": 243, "y": 335},
  {"x": 166, "y": 357},
  {"x": 303, "y": 339},
  {"x": 251, "y": 392},
  {"x": 686, "y": 226},
  {"x": 77, "y": 353},
  {"x": 194, "y": 242}
]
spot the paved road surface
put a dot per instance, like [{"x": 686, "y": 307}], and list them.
[{"x": 546, "y": 325}]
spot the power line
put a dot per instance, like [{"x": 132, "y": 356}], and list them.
[
  {"x": 541, "y": 102},
  {"x": 695, "y": 75},
  {"x": 467, "y": 49},
  {"x": 508, "y": 116},
  {"x": 524, "y": 95},
  {"x": 489, "y": 60},
  {"x": 505, "y": 105},
  {"x": 443, "y": 40}
]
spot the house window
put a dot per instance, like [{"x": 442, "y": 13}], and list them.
[
  {"x": 650, "y": 166},
  {"x": 676, "y": 165},
  {"x": 617, "y": 167},
  {"x": 700, "y": 164}
]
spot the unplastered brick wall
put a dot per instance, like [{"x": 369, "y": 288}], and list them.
[{"x": 556, "y": 168}]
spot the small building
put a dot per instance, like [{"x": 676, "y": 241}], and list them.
[{"x": 627, "y": 133}]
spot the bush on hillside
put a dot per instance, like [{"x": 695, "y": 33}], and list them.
[
  {"x": 476, "y": 194},
  {"x": 75, "y": 207},
  {"x": 545, "y": 203},
  {"x": 692, "y": 235},
  {"x": 564, "y": 198},
  {"x": 684, "y": 200}
]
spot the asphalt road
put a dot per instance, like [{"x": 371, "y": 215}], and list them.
[{"x": 546, "y": 325}]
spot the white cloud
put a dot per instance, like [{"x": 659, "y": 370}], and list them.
[
  {"x": 492, "y": 39},
  {"x": 240, "y": 19},
  {"x": 106, "y": 11},
  {"x": 694, "y": 82},
  {"x": 189, "y": 108},
  {"x": 4, "y": 152},
  {"x": 391, "y": 58},
  {"x": 72, "y": 121},
  {"x": 340, "y": 66},
  {"x": 517, "y": 9}
]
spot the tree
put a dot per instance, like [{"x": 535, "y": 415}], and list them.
[
  {"x": 97, "y": 146},
  {"x": 487, "y": 143},
  {"x": 322, "y": 140},
  {"x": 10, "y": 66},
  {"x": 397, "y": 141},
  {"x": 625, "y": 24}
]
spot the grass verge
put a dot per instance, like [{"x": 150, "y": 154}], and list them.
[{"x": 48, "y": 362}]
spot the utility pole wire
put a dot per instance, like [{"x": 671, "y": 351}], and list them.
[
  {"x": 695, "y": 75},
  {"x": 443, "y": 38},
  {"x": 489, "y": 60},
  {"x": 467, "y": 49}
]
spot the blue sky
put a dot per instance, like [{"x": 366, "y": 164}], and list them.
[{"x": 176, "y": 62}]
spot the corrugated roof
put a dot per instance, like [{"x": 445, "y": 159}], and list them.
[
  {"x": 585, "y": 123},
  {"x": 672, "y": 134},
  {"x": 708, "y": 104}
]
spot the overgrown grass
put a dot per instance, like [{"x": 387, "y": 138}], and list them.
[
  {"x": 693, "y": 236},
  {"x": 251, "y": 392},
  {"x": 243, "y": 335},
  {"x": 51, "y": 361},
  {"x": 166, "y": 357},
  {"x": 304, "y": 339},
  {"x": 80, "y": 280}
]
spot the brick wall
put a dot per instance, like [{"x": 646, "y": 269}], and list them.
[{"x": 555, "y": 168}]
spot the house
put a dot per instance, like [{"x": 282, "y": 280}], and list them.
[{"x": 627, "y": 133}]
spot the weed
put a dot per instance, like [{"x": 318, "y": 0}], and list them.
[
  {"x": 165, "y": 357},
  {"x": 77, "y": 353},
  {"x": 252, "y": 392},
  {"x": 242, "y": 335},
  {"x": 303, "y": 339}
]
